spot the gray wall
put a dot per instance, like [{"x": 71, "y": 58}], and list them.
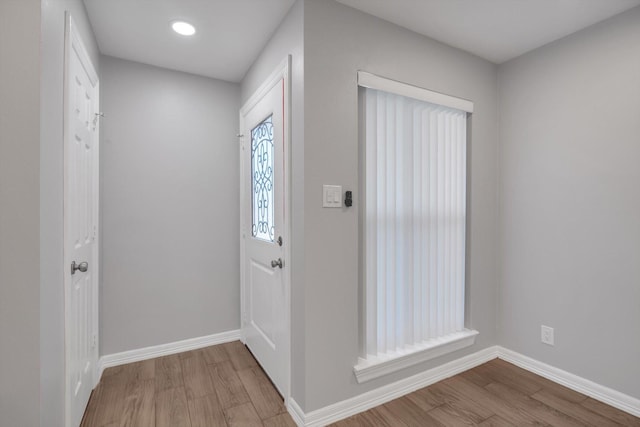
[
  {"x": 288, "y": 40},
  {"x": 569, "y": 209},
  {"x": 169, "y": 171},
  {"x": 338, "y": 42},
  {"x": 31, "y": 275},
  {"x": 19, "y": 213},
  {"x": 51, "y": 198}
]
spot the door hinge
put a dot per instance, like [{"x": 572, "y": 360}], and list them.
[{"x": 94, "y": 341}]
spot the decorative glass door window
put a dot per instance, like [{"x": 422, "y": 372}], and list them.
[{"x": 262, "y": 165}]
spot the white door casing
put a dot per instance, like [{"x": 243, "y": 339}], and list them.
[
  {"x": 265, "y": 290},
  {"x": 81, "y": 151}
]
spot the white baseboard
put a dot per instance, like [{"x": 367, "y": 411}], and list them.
[
  {"x": 137, "y": 355},
  {"x": 381, "y": 395},
  {"x": 296, "y": 412},
  {"x": 370, "y": 399},
  {"x": 599, "y": 392},
  {"x": 346, "y": 408}
]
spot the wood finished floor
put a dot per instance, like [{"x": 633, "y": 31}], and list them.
[
  {"x": 496, "y": 394},
  {"x": 224, "y": 386},
  {"x": 218, "y": 386}
]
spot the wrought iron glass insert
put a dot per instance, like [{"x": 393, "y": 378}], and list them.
[{"x": 262, "y": 169}]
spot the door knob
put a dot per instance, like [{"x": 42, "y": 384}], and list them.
[
  {"x": 276, "y": 263},
  {"x": 83, "y": 267}
]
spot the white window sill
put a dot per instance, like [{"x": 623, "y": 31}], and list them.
[{"x": 377, "y": 366}]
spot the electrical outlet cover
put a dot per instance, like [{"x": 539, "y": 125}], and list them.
[{"x": 546, "y": 333}]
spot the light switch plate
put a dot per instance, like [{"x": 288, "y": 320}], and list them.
[{"x": 332, "y": 196}]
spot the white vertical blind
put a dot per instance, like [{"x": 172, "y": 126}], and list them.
[{"x": 415, "y": 192}]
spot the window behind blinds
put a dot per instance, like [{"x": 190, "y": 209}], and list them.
[{"x": 414, "y": 221}]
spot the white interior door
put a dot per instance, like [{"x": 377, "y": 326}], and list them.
[
  {"x": 264, "y": 229},
  {"x": 81, "y": 226}
]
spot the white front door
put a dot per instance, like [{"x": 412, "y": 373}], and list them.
[
  {"x": 80, "y": 226},
  {"x": 264, "y": 231}
]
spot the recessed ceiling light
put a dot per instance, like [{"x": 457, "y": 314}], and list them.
[{"x": 183, "y": 28}]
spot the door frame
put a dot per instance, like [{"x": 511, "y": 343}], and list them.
[
  {"x": 282, "y": 72},
  {"x": 74, "y": 42}
]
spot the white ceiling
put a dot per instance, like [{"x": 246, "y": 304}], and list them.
[
  {"x": 497, "y": 30},
  {"x": 231, "y": 33}
]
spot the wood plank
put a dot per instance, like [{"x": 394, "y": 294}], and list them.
[
  {"x": 215, "y": 354},
  {"x": 574, "y": 410},
  {"x": 610, "y": 412},
  {"x": 526, "y": 376},
  {"x": 89, "y": 419},
  {"x": 500, "y": 374},
  {"x": 206, "y": 412},
  {"x": 111, "y": 403},
  {"x": 227, "y": 385},
  {"x": 112, "y": 371},
  {"x": 171, "y": 408},
  {"x": 425, "y": 399},
  {"x": 197, "y": 382},
  {"x": 282, "y": 420},
  {"x": 475, "y": 377},
  {"x": 262, "y": 393},
  {"x": 111, "y": 392},
  {"x": 168, "y": 373},
  {"x": 144, "y": 370},
  {"x": 242, "y": 416},
  {"x": 561, "y": 392},
  {"x": 371, "y": 418},
  {"x": 410, "y": 414},
  {"x": 240, "y": 356},
  {"x": 538, "y": 410},
  {"x": 449, "y": 416},
  {"x": 457, "y": 403},
  {"x": 495, "y": 421},
  {"x": 354, "y": 421},
  {"x": 139, "y": 404},
  {"x": 187, "y": 354},
  {"x": 492, "y": 403},
  {"x": 383, "y": 413}
]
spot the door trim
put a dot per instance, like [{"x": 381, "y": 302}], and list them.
[
  {"x": 282, "y": 72},
  {"x": 73, "y": 42}
]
